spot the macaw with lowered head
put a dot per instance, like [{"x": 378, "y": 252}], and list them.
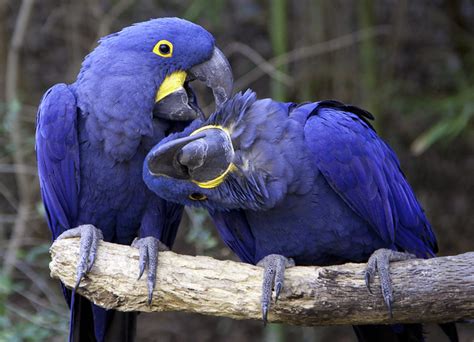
[{"x": 298, "y": 184}]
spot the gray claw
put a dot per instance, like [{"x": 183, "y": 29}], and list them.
[
  {"x": 273, "y": 276},
  {"x": 90, "y": 237},
  {"x": 368, "y": 280},
  {"x": 380, "y": 261},
  {"x": 388, "y": 302},
  {"x": 143, "y": 252},
  {"x": 143, "y": 255},
  {"x": 264, "y": 314},
  {"x": 148, "y": 249},
  {"x": 278, "y": 287},
  {"x": 370, "y": 271}
]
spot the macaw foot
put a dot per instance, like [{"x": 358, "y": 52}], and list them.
[
  {"x": 90, "y": 237},
  {"x": 380, "y": 261},
  {"x": 148, "y": 248},
  {"x": 273, "y": 275}
]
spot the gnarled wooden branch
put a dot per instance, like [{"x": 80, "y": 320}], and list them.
[{"x": 434, "y": 290}]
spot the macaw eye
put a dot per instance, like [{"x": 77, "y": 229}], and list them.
[
  {"x": 163, "y": 48},
  {"x": 195, "y": 196}
]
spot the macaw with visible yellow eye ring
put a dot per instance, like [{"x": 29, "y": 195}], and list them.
[
  {"x": 299, "y": 184},
  {"x": 92, "y": 138}
]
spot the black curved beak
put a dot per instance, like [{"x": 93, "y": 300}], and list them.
[
  {"x": 162, "y": 160},
  {"x": 201, "y": 157},
  {"x": 181, "y": 104},
  {"x": 217, "y": 75}
]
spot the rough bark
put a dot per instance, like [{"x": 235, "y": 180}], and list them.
[{"x": 434, "y": 290}]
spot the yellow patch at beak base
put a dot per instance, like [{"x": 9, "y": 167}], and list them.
[{"x": 170, "y": 84}]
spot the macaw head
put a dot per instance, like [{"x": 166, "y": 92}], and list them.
[
  {"x": 144, "y": 72},
  {"x": 247, "y": 155}
]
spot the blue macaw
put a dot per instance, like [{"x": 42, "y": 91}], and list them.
[
  {"x": 92, "y": 138},
  {"x": 308, "y": 184}
]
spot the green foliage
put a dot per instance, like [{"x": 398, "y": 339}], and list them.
[
  {"x": 6, "y": 286},
  {"x": 13, "y": 109},
  {"x": 38, "y": 253},
  {"x": 41, "y": 326},
  {"x": 208, "y": 9},
  {"x": 18, "y": 322},
  {"x": 456, "y": 113},
  {"x": 200, "y": 232},
  {"x": 39, "y": 208}
]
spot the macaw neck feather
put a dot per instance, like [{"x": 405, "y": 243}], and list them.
[
  {"x": 245, "y": 189},
  {"x": 268, "y": 145}
]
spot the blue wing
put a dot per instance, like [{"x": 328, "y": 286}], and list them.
[
  {"x": 57, "y": 152},
  {"x": 235, "y": 231},
  {"x": 173, "y": 215},
  {"x": 366, "y": 173}
]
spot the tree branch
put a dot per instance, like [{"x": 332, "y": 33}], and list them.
[
  {"x": 305, "y": 52},
  {"x": 434, "y": 290},
  {"x": 17, "y": 136}
]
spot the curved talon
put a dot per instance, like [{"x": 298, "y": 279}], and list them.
[
  {"x": 152, "y": 265},
  {"x": 278, "y": 287},
  {"x": 90, "y": 237},
  {"x": 142, "y": 267},
  {"x": 264, "y": 314},
  {"x": 370, "y": 271},
  {"x": 274, "y": 273},
  {"x": 143, "y": 256},
  {"x": 148, "y": 249},
  {"x": 368, "y": 281},
  {"x": 389, "y": 307},
  {"x": 93, "y": 250},
  {"x": 267, "y": 285},
  {"x": 380, "y": 261}
]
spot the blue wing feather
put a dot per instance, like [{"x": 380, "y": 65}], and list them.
[
  {"x": 57, "y": 152},
  {"x": 365, "y": 172},
  {"x": 236, "y": 234}
]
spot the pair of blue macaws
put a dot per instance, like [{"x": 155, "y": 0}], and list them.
[{"x": 285, "y": 184}]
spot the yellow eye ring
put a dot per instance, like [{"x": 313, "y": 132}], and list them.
[{"x": 163, "y": 48}]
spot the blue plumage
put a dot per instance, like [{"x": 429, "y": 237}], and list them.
[
  {"x": 57, "y": 143},
  {"x": 92, "y": 137},
  {"x": 311, "y": 182},
  {"x": 319, "y": 163}
]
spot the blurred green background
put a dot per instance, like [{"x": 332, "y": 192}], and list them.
[{"x": 411, "y": 63}]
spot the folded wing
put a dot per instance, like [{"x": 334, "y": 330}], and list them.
[
  {"x": 366, "y": 173},
  {"x": 57, "y": 151}
]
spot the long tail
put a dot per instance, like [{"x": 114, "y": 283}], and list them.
[
  {"x": 450, "y": 330},
  {"x": 389, "y": 333},
  {"x": 89, "y": 322},
  {"x": 400, "y": 332}
]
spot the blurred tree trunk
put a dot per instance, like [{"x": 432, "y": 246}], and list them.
[
  {"x": 400, "y": 22},
  {"x": 308, "y": 31},
  {"x": 73, "y": 38},
  {"x": 18, "y": 137},
  {"x": 342, "y": 71},
  {"x": 3, "y": 48},
  {"x": 462, "y": 39},
  {"x": 279, "y": 39},
  {"x": 278, "y": 35},
  {"x": 368, "y": 61}
]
